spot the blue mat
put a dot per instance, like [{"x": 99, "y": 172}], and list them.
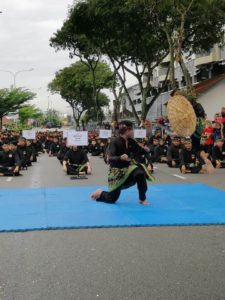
[{"x": 55, "y": 208}]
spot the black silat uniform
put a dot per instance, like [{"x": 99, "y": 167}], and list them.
[
  {"x": 173, "y": 154},
  {"x": 37, "y": 146},
  {"x": 32, "y": 152},
  {"x": 54, "y": 149},
  {"x": 8, "y": 161},
  {"x": 62, "y": 152},
  {"x": 24, "y": 154},
  {"x": 74, "y": 160},
  {"x": 159, "y": 152},
  {"x": 117, "y": 148},
  {"x": 191, "y": 160},
  {"x": 95, "y": 150},
  {"x": 218, "y": 154}
]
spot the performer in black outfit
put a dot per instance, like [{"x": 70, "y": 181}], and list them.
[{"x": 124, "y": 171}]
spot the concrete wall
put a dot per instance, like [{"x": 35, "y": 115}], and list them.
[{"x": 213, "y": 99}]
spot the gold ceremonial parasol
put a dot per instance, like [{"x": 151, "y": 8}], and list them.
[{"x": 181, "y": 115}]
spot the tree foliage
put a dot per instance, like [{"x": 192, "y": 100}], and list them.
[
  {"x": 136, "y": 36},
  {"x": 12, "y": 99},
  {"x": 74, "y": 84},
  {"x": 29, "y": 112}
]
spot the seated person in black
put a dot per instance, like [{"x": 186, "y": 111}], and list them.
[
  {"x": 160, "y": 152},
  {"x": 25, "y": 153},
  {"x": 9, "y": 161},
  {"x": 76, "y": 162},
  {"x": 218, "y": 154},
  {"x": 63, "y": 150},
  {"x": 193, "y": 161},
  {"x": 155, "y": 143},
  {"x": 173, "y": 153},
  {"x": 31, "y": 151},
  {"x": 38, "y": 146},
  {"x": 54, "y": 148},
  {"x": 94, "y": 148}
]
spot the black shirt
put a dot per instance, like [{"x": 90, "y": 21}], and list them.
[
  {"x": 173, "y": 153},
  {"x": 159, "y": 152},
  {"x": 118, "y": 147},
  {"x": 218, "y": 154},
  {"x": 9, "y": 159},
  {"x": 77, "y": 157},
  {"x": 188, "y": 157}
]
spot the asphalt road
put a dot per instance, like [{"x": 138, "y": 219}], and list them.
[{"x": 112, "y": 264}]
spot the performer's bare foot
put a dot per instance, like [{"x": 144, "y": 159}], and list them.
[
  {"x": 96, "y": 194},
  {"x": 144, "y": 202}
]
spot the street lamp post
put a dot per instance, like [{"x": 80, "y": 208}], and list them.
[{"x": 14, "y": 74}]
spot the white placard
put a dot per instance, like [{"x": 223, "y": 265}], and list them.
[
  {"x": 77, "y": 138},
  {"x": 105, "y": 134},
  {"x": 140, "y": 133},
  {"x": 65, "y": 133},
  {"x": 29, "y": 134}
]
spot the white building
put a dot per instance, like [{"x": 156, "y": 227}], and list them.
[{"x": 204, "y": 67}]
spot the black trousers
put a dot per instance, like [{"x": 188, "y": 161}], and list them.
[
  {"x": 74, "y": 170},
  {"x": 8, "y": 171},
  {"x": 137, "y": 176}
]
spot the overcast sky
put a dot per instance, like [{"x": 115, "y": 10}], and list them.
[{"x": 25, "y": 29}]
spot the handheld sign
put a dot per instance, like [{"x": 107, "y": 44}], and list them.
[
  {"x": 105, "y": 134},
  {"x": 29, "y": 134},
  {"x": 140, "y": 133},
  {"x": 77, "y": 138},
  {"x": 65, "y": 133}
]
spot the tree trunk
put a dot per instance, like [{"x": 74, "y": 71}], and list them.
[
  {"x": 187, "y": 76},
  {"x": 1, "y": 119},
  {"x": 77, "y": 121},
  {"x": 122, "y": 81}
]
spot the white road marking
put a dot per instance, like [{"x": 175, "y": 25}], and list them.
[
  {"x": 9, "y": 179},
  {"x": 178, "y": 176}
]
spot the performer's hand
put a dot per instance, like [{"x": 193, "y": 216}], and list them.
[{"x": 125, "y": 157}]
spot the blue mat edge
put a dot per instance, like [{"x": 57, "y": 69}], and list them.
[{"x": 114, "y": 226}]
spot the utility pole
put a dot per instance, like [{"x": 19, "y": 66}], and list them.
[{"x": 14, "y": 74}]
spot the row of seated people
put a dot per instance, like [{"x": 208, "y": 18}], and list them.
[
  {"x": 181, "y": 154},
  {"x": 176, "y": 152},
  {"x": 96, "y": 147},
  {"x": 17, "y": 154}
]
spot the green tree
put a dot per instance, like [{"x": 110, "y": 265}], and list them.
[
  {"x": 74, "y": 84},
  {"x": 51, "y": 117},
  {"x": 12, "y": 99},
  {"x": 190, "y": 26},
  {"x": 119, "y": 30},
  {"x": 29, "y": 112}
]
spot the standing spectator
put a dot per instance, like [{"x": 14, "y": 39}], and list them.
[{"x": 208, "y": 132}]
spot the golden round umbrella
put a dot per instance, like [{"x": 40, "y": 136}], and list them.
[{"x": 181, "y": 115}]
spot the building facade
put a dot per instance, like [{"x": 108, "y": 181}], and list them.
[{"x": 202, "y": 67}]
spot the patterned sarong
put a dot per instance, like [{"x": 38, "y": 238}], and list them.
[{"x": 118, "y": 177}]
